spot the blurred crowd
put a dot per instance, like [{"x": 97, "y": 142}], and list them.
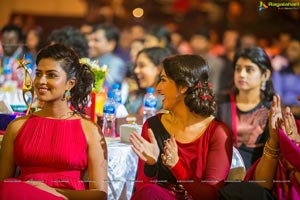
[{"x": 118, "y": 49}]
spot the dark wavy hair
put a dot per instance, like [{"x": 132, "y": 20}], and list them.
[
  {"x": 69, "y": 61},
  {"x": 192, "y": 71},
  {"x": 258, "y": 56}
]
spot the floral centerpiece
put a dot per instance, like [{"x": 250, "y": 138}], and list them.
[{"x": 99, "y": 72}]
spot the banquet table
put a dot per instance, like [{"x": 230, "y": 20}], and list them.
[{"x": 122, "y": 166}]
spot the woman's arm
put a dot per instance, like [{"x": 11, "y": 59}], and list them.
[
  {"x": 217, "y": 166},
  {"x": 146, "y": 148},
  {"x": 97, "y": 166},
  {"x": 266, "y": 168},
  {"x": 7, "y": 162}
]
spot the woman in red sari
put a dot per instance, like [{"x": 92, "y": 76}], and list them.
[
  {"x": 279, "y": 166},
  {"x": 185, "y": 153}
]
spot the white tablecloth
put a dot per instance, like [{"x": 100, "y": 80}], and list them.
[{"x": 122, "y": 165}]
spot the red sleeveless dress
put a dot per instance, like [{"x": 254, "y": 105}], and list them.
[{"x": 53, "y": 151}]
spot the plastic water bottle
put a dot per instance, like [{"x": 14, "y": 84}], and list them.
[
  {"x": 121, "y": 110},
  {"x": 116, "y": 87},
  {"x": 150, "y": 103},
  {"x": 109, "y": 116},
  {"x": 7, "y": 71}
]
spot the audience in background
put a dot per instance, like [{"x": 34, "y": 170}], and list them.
[
  {"x": 12, "y": 44},
  {"x": 136, "y": 46},
  {"x": 279, "y": 60},
  {"x": 137, "y": 32},
  {"x": 286, "y": 81},
  {"x": 181, "y": 45},
  {"x": 103, "y": 42},
  {"x": 231, "y": 43},
  {"x": 158, "y": 36},
  {"x": 72, "y": 38},
  {"x": 200, "y": 45},
  {"x": 148, "y": 66},
  {"x": 245, "y": 109},
  {"x": 34, "y": 41},
  {"x": 248, "y": 40}
]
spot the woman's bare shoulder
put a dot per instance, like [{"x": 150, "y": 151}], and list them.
[
  {"x": 88, "y": 125},
  {"x": 91, "y": 129},
  {"x": 14, "y": 126}
]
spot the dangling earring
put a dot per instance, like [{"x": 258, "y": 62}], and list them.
[
  {"x": 66, "y": 96},
  {"x": 263, "y": 86}
]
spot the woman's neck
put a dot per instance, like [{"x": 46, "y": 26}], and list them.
[
  {"x": 58, "y": 111},
  {"x": 247, "y": 100},
  {"x": 185, "y": 125},
  {"x": 185, "y": 117}
]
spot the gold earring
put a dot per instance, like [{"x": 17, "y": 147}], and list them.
[{"x": 67, "y": 96}]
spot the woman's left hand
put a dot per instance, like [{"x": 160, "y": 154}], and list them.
[
  {"x": 46, "y": 188},
  {"x": 170, "y": 155},
  {"x": 289, "y": 125}
]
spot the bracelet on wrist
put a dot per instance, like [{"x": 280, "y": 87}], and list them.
[{"x": 271, "y": 152}]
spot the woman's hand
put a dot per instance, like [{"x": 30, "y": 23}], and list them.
[
  {"x": 286, "y": 122},
  {"x": 170, "y": 155},
  {"x": 147, "y": 151},
  {"x": 289, "y": 125},
  {"x": 46, "y": 188},
  {"x": 275, "y": 119}
]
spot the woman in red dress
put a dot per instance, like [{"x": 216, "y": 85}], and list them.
[
  {"x": 56, "y": 146},
  {"x": 185, "y": 153}
]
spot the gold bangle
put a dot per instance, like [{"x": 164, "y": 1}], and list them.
[
  {"x": 277, "y": 150},
  {"x": 271, "y": 152},
  {"x": 270, "y": 155}
]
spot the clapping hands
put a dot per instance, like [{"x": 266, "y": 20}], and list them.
[
  {"x": 285, "y": 121},
  {"x": 147, "y": 151}
]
